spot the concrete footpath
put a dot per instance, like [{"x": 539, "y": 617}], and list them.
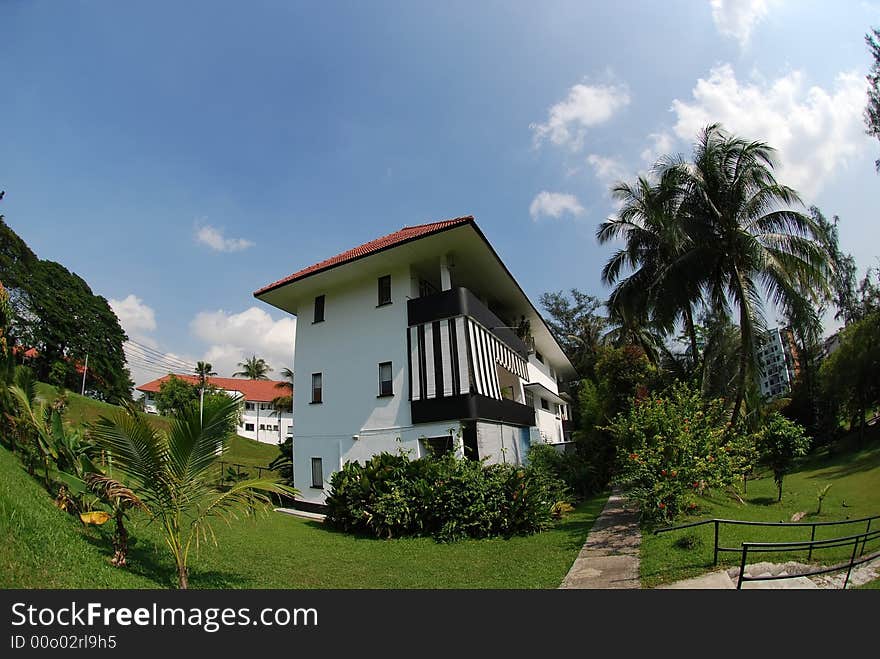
[{"x": 610, "y": 555}]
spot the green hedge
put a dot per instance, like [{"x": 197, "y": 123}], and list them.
[{"x": 446, "y": 497}]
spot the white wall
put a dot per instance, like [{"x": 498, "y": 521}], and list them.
[
  {"x": 549, "y": 424},
  {"x": 499, "y": 443},
  {"x": 540, "y": 373},
  {"x": 265, "y": 417},
  {"x": 347, "y": 348}
]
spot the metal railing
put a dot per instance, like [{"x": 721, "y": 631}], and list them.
[
  {"x": 766, "y": 547},
  {"x": 238, "y": 467},
  {"x": 739, "y": 522}
]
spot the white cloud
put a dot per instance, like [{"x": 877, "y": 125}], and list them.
[
  {"x": 234, "y": 337},
  {"x": 661, "y": 144},
  {"x": 554, "y": 204},
  {"x": 815, "y": 131},
  {"x": 135, "y": 317},
  {"x": 145, "y": 359},
  {"x": 608, "y": 170},
  {"x": 214, "y": 238},
  {"x": 737, "y": 18},
  {"x": 585, "y": 106}
]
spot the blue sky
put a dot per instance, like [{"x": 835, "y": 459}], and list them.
[{"x": 178, "y": 156}]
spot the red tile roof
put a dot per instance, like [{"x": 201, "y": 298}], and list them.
[
  {"x": 256, "y": 390},
  {"x": 406, "y": 234}
]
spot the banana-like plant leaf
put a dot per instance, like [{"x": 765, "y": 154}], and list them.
[{"x": 95, "y": 517}]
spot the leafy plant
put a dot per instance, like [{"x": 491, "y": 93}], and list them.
[
  {"x": 820, "y": 497},
  {"x": 779, "y": 443},
  {"x": 120, "y": 499},
  {"x": 446, "y": 497},
  {"x": 674, "y": 447},
  {"x": 171, "y": 473}
]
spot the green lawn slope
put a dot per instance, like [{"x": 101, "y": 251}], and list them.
[
  {"x": 43, "y": 547},
  {"x": 854, "y": 476}
]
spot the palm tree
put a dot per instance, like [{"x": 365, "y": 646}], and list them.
[
  {"x": 744, "y": 240},
  {"x": 253, "y": 368},
  {"x": 170, "y": 472},
  {"x": 659, "y": 292},
  {"x": 204, "y": 370},
  {"x": 283, "y": 402}
]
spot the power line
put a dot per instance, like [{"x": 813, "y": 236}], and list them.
[
  {"x": 174, "y": 362},
  {"x": 151, "y": 352}
]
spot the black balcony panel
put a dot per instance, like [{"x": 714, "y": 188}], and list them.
[
  {"x": 461, "y": 302},
  {"x": 472, "y": 407}
]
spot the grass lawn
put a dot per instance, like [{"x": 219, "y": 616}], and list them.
[
  {"x": 43, "y": 547},
  {"x": 82, "y": 410},
  {"x": 854, "y": 476}
]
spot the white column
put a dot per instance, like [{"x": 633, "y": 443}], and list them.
[{"x": 445, "y": 272}]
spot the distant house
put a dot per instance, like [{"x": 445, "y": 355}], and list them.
[
  {"x": 418, "y": 341},
  {"x": 260, "y": 420}
]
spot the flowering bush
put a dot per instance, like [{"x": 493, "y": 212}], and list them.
[{"x": 674, "y": 447}]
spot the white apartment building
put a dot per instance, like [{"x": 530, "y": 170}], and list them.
[
  {"x": 414, "y": 342},
  {"x": 260, "y": 420},
  {"x": 777, "y": 362}
]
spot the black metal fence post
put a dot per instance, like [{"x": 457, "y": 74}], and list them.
[
  {"x": 715, "y": 557},
  {"x": 864, "y": 542},
  {"x": 812, "y": 538},
  {"x": 852, "y": 559},
  {"x": 742, "y": 566}
]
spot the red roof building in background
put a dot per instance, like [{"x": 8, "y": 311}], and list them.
[
  {"x": 260, "y": 391},
  {"x": 260, "y": 420}
]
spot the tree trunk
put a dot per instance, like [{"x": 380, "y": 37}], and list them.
[
  {"x": 120, "y": 542},
  {"x": 692, "y": 334},
  {"x": 779, "y": 488},
  {"x": 182, "y": 577}
]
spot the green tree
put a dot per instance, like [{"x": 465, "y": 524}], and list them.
[
  {"x": 253, "y": 368},
  {"x": 779, "y": 443},
  {"x": 55, "y": 312},
  {"x": 204, "y": 370},
  {"x": 576, "y": 323},
  {"x": 659, "y": 291},
  {"x": 175, "y": 395},
  {"x": 851, "y": 374},
  {"x": 745, "y": 241},
  {"x": 171, "y": 473},
  {"x": 872, "y": 109}
]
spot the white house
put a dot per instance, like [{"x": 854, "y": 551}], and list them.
[
  {"x": 410, "y": 342},
  {"x": 259, "y": 421}
]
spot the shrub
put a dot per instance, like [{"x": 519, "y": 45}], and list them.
[
  {"x": 446, "y": 497},
  {"x": 779, "y": 443},
  {"x": 576, "y": 470},
  {"x": 674, "y": 447}
]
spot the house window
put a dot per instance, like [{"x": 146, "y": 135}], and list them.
[
  {"x": 385, "y": 384},
  {"x": 384, "y": 290},
  {"x": 319, "y": 309},
  {"x": 249, "y": 427},
  {"x": 539, "y": 356},
  {"x": 530, "y": 398},
  {"x": 249, "y": 406},
  {"x": 545, "y": 405},
  {"x": 438, "y": 446},
  {"x": 262, "y": 426},
  {"x": 317, "y": 473},
  {"x": 317, "y": 388}
]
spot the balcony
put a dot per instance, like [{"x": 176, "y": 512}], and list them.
[
  {"x": 472, "y": 407},
  {"x": 461, "y": 302}
]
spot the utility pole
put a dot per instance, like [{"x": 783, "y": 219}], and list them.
[{"x": 85, "y": 370}]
